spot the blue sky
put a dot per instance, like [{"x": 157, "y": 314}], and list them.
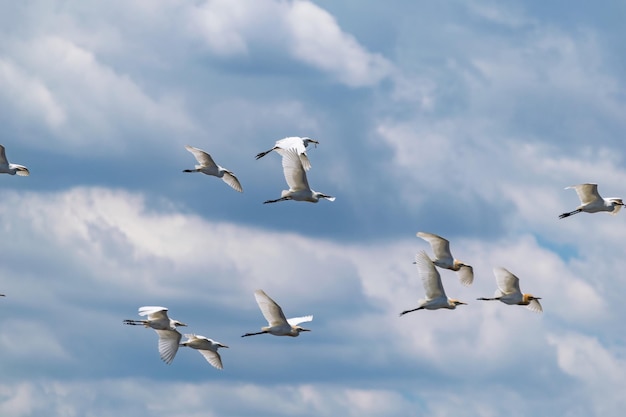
[{"x": 464, "y": 119}]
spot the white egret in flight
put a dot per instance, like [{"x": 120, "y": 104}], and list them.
[
  {"x": 592, "y": 202},
  {"x": 209, "y": 167},
  {"x": 278, "y": 325},
  {"x": 444, "y": 259},
  {"x": 207, "y": 347},
  {"x": 295, "y": 176},
  {"x": 509, "y": 292},
  {"x": 436, "y": 297},
  {"x": 8, "y": 168},
  {"x": 294, "y": 142},
  {"x": 169, "y": 337}
]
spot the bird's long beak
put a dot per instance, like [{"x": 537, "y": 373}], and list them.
[
  {"x": 224, "y": 346},
  {"x": 462, "y": 303},
  {"x": 305, "y": 330}
]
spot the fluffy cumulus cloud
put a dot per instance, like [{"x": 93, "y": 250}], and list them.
[
  {"x": 300, "y": 29},
  {"x": 104, "y": 252},
  {"x": 465, "y": 120},
  {"x": 79, "y": 100}
]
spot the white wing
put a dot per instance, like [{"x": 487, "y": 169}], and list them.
[
  {"x": 168, "y": 344},
  {"x": 213, "y": 358},
  {"x": 535, "y": 306},
  {"x": 3, "y": 156},
  {"x": 430, "y": 276},
  {"x": 230, "y": 179},
  {"x": 294, "y": 172},
  {"x": 190, "y": 337},
  {"x": 440, "y": 246},
  {"x": 271, "y": 311},
  {"x": 466, "y": 275},
  {"x": 202, "y": 157},
  {"x": 506, "y": 281},
  {"x": 304, "y": 159},
  {"x": 293, "y": 142},
  {"x": 587, "y": 193},
  {"x": 296, "y": 143},
  {"x": 154, "y": 312},
  {"x": 297, "y": 320}
]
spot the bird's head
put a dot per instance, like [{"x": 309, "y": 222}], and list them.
[
  {"x": 617, "y": 205},
  {"x": 322, "y": 195},
  {"x": 307, "y": 140},
  {"x": 176, "y": 323},
  {"x": 458, "y": 264},
  {"x": 300, "y": 329},
  {"x": 530, "y": 297},
  {"x": 221, "y": 345},
  {"x": 455, "y": 303}
]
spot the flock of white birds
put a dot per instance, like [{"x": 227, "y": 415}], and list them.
[
  {"x": 295, "y": 163},
  {"x": 508, "y": 290}
]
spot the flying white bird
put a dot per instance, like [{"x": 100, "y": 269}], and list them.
[
  {"x": 278, "y": 325},
  {"x": 294, "y": 142},
  {"x": 435, "y": 295},
  {"x": 209, "y": 167},
  {"x": 509, "y": 292},
  {"x": 592, "y": 202},
  {"x": 169, "y": 338},
  {"x": 295, "y": 176},
  {"x": 8, "y": 168},
  {"x": 207, "y": 347},
  {"x": 444, "y": 259}
]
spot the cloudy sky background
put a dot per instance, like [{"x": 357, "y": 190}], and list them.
[{"x": 461, "y": 118}]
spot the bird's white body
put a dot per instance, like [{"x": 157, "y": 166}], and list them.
[
  {"x": 295, "y": 176},
  {"x": 436, "y": 297},
  {"x": 444, "y": 258},
  {"x": 278, "y": 325},
  {"x": 209, "y": 167},
  {"x": 294, "y": 142},
  {"x": 169, "y": 337},
  {"x": 12, "y": 169},
  {"x": 592, "y": 202},
  {"x": 207, "y": 347},
  {"x": 509, "y": 291}
]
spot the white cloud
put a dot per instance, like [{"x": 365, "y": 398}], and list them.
[
  {"x": 317, "y": 39},
  {"x": 300, "y": 29},
  {"x": 507, "y": 15},
  {"x": 82, "y": 100},
  {"x": 222, "y": 23},
  {"x": 30, "y": 95},
  {"x": 119, "y": 253},
  {"x": 487, "y": 120},
  {"x": 598, "y": 369},
  {"x": 65, "y": 398}
]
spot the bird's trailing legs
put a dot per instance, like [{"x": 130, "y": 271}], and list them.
[
  {"x": 564, "y": 215},
  {"x": 135, "y": 322},
  {"x": 408, "y": 311},
  {"x": 253, "y": 334},
  {"x": 277, "y": 200},
  {"x": 262, "y": 154}
]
